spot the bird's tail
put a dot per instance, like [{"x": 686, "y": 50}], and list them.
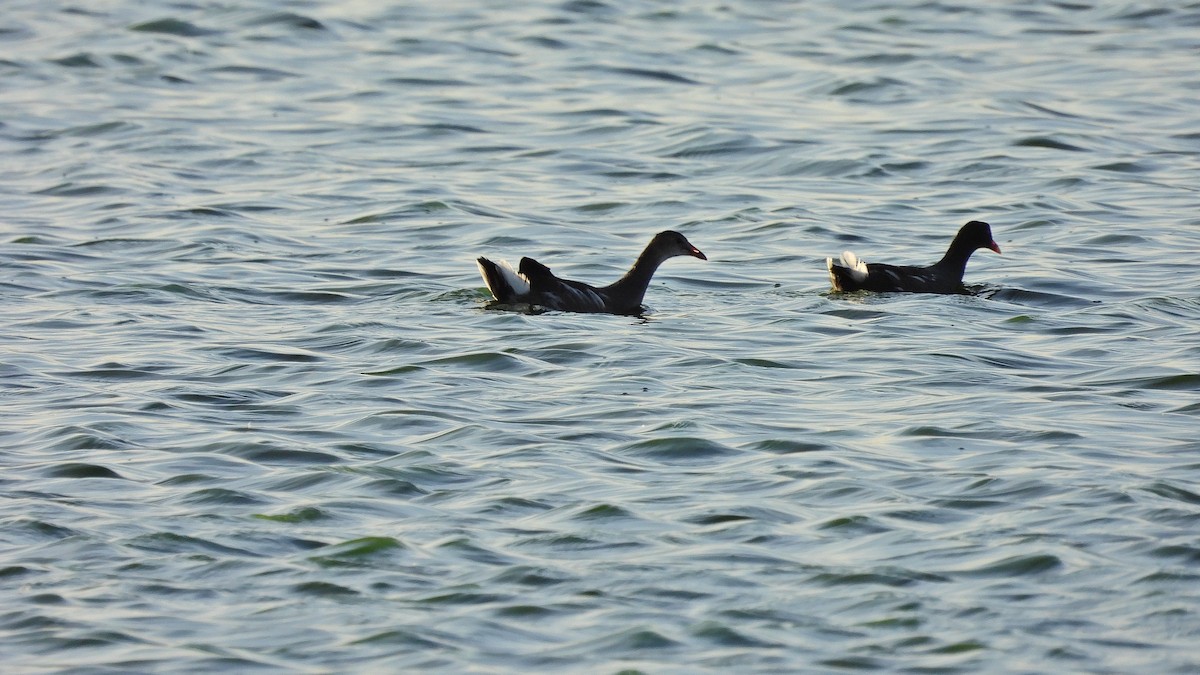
[
  {"x": 857, "y": 269},
  {"x": 846, "y": 272},
  {"x": 502, "y": 280}
]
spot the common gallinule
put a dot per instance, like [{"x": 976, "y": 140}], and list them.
[
  {"x": 533, "y": 283},
  {"x": 945, "y": 276}
]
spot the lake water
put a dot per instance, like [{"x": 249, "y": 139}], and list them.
[{"x": 256, "y": 417}]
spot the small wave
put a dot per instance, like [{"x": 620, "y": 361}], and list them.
[
  {"x": 81, "y": 60},
  {"x": 172, "y": 543},
  {"x": 1043, "y": 142},
  {"x": 323, "y": 589},
  {"x": 1018, "y": 296},
  {"x": 1125, "y": 167},
  {"x": 171, "y": 26},
  {"x": 1015, "y": 566},
  {"x": 70, "y": 189},
  {"x": 358, "y": 551},
  {"x": 258, "y": 73},
  {"x": 1173, "y": 492},
  {"x": 267, "y": 354},
  {"x": 854, "y": 525},
  {"x": 660, "y": 75},
  {"x": 884, "y": 577},
  {"x": 81, "y": 470},
  {"x": 676, "y": 450},
  {"x": 288, "y": 20}
]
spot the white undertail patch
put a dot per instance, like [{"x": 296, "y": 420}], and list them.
[
  {"x": 850, "y": 262},
  {"x": 515, "y": 280}
]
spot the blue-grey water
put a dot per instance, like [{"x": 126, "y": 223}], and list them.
[{"x": 256, "y": 418}]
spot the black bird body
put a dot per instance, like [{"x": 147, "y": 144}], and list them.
[
  {"x": 533, "y": 283},
  {"x": 945, "y": 276}
]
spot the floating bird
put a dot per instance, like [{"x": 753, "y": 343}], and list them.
[
  {"x": 534, "y": 283},
  {"x": 945, "y": 276}
]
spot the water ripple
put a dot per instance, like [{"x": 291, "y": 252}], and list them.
[{"x": 260, "y": 418}]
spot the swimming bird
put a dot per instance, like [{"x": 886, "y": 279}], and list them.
[
  {"x": 945, "y": 276},
  {"x": 534, "y": 283}
]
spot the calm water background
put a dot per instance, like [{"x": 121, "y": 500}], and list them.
[{"x": 255, "y": 417}]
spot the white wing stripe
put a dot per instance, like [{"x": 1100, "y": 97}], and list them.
[{"x": 519, "y": 283}]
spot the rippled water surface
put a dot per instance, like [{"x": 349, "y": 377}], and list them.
[{"x": 257, "y": 418}]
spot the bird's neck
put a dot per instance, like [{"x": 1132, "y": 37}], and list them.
[
  {"x": 632, "y": 287},
  {"x": 955, "y": 260}
]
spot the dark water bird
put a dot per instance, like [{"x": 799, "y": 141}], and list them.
[
  {"x": 945, "y": 276},
  {"x": 534, "y": 283}
]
